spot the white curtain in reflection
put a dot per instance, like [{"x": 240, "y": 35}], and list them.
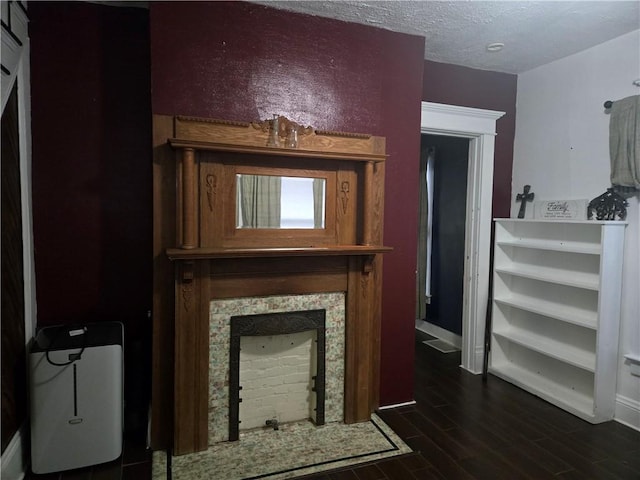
[
  {"x": 318, "y": 203},
  {"x": 259, "y": 197},
  {"x": 425, "y": 220}
]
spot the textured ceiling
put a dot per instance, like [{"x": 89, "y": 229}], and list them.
[{"x": 534, "y": 32}]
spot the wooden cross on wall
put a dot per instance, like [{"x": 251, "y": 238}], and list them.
[{"x": 524, "y": 197}]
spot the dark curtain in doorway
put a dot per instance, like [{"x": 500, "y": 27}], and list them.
[
  {"x": 449, "y": 215},
  {"x": 424, "y": 232}
]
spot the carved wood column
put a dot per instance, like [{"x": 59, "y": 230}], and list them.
[
  {"x": 188, "y": 198},
  {"x": 367, "y": 220},
  {"x": 191, "y": 378},
  {"x": 360, "y": 391}
]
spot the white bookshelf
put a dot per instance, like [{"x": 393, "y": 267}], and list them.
[{"x": 556, "y": 311}]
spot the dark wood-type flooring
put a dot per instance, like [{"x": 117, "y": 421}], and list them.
[{"x": 461, "y": 428}]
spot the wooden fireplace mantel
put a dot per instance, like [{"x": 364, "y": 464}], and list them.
[{"x": 200, "y": 255}]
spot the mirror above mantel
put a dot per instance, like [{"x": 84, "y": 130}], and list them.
[
  {"x": 223, "y": 164},
  {"x": 272, "y": 201}
]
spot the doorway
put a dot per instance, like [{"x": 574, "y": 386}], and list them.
[
  {"x": 479, "y": 128},
  {"x": 14, "y": 387},
  {"x": 443, "y": 183},
  {"x": 16, "y": 151}
]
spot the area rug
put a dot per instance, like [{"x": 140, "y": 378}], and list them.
[
  {"x": 294, "y": 450},
  {"x": 441, "y": 346}
]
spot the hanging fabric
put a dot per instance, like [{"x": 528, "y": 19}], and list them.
[
  {"x": 260, "y": 201},
  {"x": 318, "y": 203},
  {"x": 624, "y": 144},
  {"x": 423, "y": 277}
]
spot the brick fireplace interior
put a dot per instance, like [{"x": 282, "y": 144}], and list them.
[
  {"x": 277, "y": 363},
  {"x": 277, "y": 376}
]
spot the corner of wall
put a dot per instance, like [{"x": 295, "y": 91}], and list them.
[
  {"x": 627, "y": 412},
  {"x": 14, "y": 458}
]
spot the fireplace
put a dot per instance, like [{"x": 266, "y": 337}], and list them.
[
  {"x": 230, "y": 319},
  {"x": 207, "y": 269},
  {"x": 277, "y": 380},
  {"x": 270, "y": 324}
]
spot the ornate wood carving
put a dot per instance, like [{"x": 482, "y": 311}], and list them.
[
  {"x": 284, "y": 127},
  {"x": 212, "y": 186},
  {"x": 344, "y": 196},
  {"x": 330, "y": 133},
  {"x": 220, "y": 135},
  {"x": 229, "y": 123},
  {"x": 364, "y": 285},
  {"x": 187, "y": 294},
  {"x": 186, "y": 287}
]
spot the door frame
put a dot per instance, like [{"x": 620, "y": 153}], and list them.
[
  {"x": 479, "y": 126},
  {"x": 16, "y": 60}
]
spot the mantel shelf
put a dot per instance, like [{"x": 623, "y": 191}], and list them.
[
  {"x": 280, "y": 152},
  {"x": 329, "y": 250}
]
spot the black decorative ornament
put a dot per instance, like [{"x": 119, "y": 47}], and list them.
[
  {"x": 607, "y": 206},
  {"x": 524, "y": 197}
]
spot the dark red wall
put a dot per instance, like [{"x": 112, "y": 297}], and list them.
[
  {"x": 242, "y": 61},
  {"x": 468, "y": 87},
  {"x": 92, "y": 201},
  {"x": 91, "y": 162}
]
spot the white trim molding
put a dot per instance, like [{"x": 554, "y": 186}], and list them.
[
  {"x": 13, "y": 38},
  {"x": 479, "y": 126},
  {"x": 15, "y": 50},
  {"x": 627, "y": 412},
  {"x": 398, "y": 405},
  {"x": 439, "y": 332},
  {"x": 24, "y": 125}
]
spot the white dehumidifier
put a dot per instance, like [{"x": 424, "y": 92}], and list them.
[{"x": 76, "y": 387}]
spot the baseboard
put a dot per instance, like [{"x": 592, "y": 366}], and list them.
[
  {"x": 627, "y": 412},
  {"x": 478, "y": 362},
  {"x": 396, "y": 405},
  {"x": 14, "y": 457},
  {"x": 441, "y": 333}
]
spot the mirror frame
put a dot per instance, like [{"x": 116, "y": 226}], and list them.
[
  {"x": 234, "y": 236},
  {"x": 308, "y": 196}
]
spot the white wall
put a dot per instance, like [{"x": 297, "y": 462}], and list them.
[{"x": 562, "y": 150}]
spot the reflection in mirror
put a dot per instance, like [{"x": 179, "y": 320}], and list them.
[{"x": 265, "y": 201}]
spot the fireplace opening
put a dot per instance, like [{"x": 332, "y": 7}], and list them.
[
  {"x": 275, "y": 346},
  {"x": 277, "y": 377}
]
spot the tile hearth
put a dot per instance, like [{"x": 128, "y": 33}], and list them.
[{"x": 298, "y": 448}]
